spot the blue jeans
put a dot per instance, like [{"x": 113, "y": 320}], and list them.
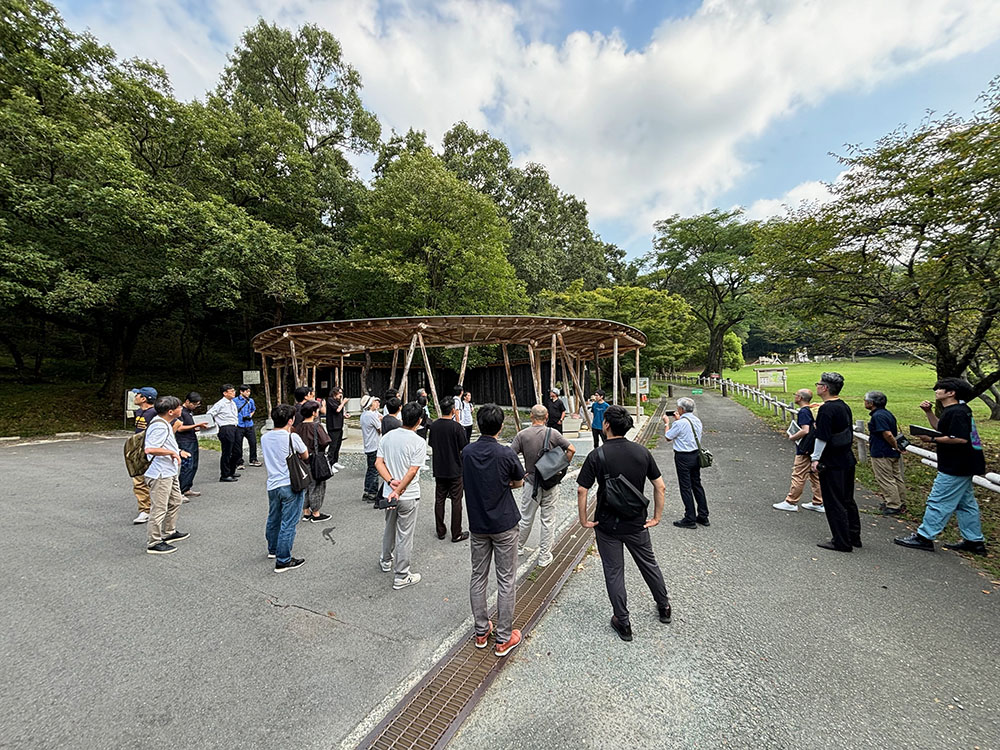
[
  {"x": 189, "y": 467},
  {"x": 372, "y": 479},
  {"x": 282, "y": 520},
  {"x": 952, "y": 495}
]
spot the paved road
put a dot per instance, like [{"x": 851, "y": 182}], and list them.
[{"x": 775, "y": 643}]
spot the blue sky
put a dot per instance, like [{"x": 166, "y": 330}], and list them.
[{"x": 644, "y": 109}]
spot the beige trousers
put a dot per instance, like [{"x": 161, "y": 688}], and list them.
[
  {"x": 889, "y": 477},
  {"x": 141, "y": 490},
  {"x": 165, "y": 500},
  {"x": 802, "y": 471}
]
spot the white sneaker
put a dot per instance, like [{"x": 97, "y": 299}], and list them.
[
  {"x": 143, "y": 517},
  {"x": 386, "y": 566},
  {"x": 521, "y": 551},
  {"x": 334, "y": 469},
  {"x": 813, "y": 506},
  {"x": 544, "y": 560},
  {"x": 785, "y": 506},
  {"x": 410, "y": 580},
  {"x": 338, "y": 466}
]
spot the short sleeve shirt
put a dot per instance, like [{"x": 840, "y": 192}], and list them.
[
  {"x": 488, "y": 468},
  {"x": 834, "y": 417},
  {"x": 806, "y": 444},
  {"x": 274, "y": 445},
  {"x": 529, "y": 442},
  {"x": 370, "y": 430},
  {"x": 882, "y": 420},
  {"x": 188, "y": 440},
  {"x": 334, "y": 418},
  {"x": 962, "y": 460},
  {"x": 447, "y": 439},
  {"x": 160, "y": 434},
  {"x": 556, "y": 409},
  {"x": 143, "y": 417},
  {"x": 622, "y": 458},
  {"x": 390, "y": 423},
  {"x": 598, "y": 408},
  {"x": 402, "y": 449}
]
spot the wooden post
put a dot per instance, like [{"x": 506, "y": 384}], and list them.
[
  {"x": 638, "y": 396},
  {"x": 552, "y": 374},
  {"x": 365, "y": 369},
  {"x": 576, "y": 383},
  {"x": 859, "y": 426},
  {"x": 392, "y": 372},
  {"x": 340, "y": 375},
  {"x": 614, "y": 372},
  {"x": 510, "y": 384},
  {"x": 315, "y": 367},
  {"x": 534, "y": 374},
  {"x": 281, "y": 383},
  {"x": 430, "y": 375},
  {"x": 461, "y": 373},
  {"x": 267, "y": 385},
  {"x": 597, "y": 367},
  {"x": 406, "y": 368},
  {"x": 295, "y": 363}
]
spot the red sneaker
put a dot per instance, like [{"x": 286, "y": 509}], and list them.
[
  {"x": 502, "y": 649},
  {"x": 481, "y": 639}
]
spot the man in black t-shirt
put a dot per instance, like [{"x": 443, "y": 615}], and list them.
[
  {"x": 959, "y": 458},
  {"x": 336, "y": 411},
  {"x": 391, "y": 420},
  {"x": 833, "y": 457},
  {"x": 447, "y": 439},
  {"x": 557, "y": 410},
  {"x": 635, "y": 463},
  {"x": 186, "y": 433}
]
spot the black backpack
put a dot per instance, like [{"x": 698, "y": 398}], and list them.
[{"x": 621, "y": 497}]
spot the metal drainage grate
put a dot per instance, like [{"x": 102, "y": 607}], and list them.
[{"x": 431, "y": 713}]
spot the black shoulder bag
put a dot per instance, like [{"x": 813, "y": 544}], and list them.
[
  {"x": 319, "y": 464},
  {"x": 621, "y": 497},
  {"x": 298, "y": 472},
  {"x": 550, "y": 466}
]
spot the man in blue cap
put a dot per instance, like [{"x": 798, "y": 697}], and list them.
[{"x": 144, "y": 414}]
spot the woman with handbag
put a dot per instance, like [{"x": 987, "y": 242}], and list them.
[
  {"x": 316, "y": 438},
  {"x": 685, "y": 435}
]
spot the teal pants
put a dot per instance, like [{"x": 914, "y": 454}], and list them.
[{"x": 949, "y": 495}]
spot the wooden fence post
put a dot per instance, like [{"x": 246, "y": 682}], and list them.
[{"x": 510, "y": 384}]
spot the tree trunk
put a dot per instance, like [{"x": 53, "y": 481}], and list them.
[
  {"x": 121, "y": 347},
  {"x": 713, "y": 361},
  {"x": 991, "y": 396},
  {"x": 15, "y": 354}
]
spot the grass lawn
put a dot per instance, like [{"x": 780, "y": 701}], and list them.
[{"x": 905, "y": 385}]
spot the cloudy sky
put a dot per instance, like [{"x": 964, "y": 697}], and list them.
[{"x": 642, "y": 108}]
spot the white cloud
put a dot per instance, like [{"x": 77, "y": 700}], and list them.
[
  {"x": 640, "y": 134},
  {"x": 805, "y": 194}
]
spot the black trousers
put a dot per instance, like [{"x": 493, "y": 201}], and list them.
[
  {"x": 613, "y": 560},
  {"x": 557, "y": 427},
  {"x": 443, "y": 490},
  {"x": 841, "y": 509},
  {"x": 333, "y": 449},
  {"x": 468, "y": 433},
  {"x": 598, "y": 436},
  {"x": 689, "y": 482},
  {"x": 231, "y": 451},
  {"x": 251, "y": 436}
]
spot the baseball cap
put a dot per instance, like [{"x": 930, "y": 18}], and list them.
[
  {"x": 149, "y": 393},
  {"x": 555, "y": 391}
]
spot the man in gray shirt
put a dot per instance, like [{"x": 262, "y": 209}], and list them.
[
  {"x": 371, "y": 431},
  {"x": 529, "y": 442}
]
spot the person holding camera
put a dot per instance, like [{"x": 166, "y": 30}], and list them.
[
  {"x": 833, "y": 457},
  {"x": 685, "y": 435}
]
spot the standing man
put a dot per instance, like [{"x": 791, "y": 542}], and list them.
[
  {"x": 391, "y": 420},
  {"x": 959, "y": 458},
  {"x": 336, "y": 406},
  {"x": 401, "y": 454},
  {"x": 447, "y": 440},
  {"x": 529, "y": 442},
  {"x": 224, "y": 413},
  {"x": 887, "y": 461},
  {"x": 597, "y": 408},
  {"x": 161, "y": 477},
  {"x": 631, "y": 461},
  {"x": 371, "y": 430},
  {"x": 556, "y": 409},
  {"x": 144, "y": 414},
  {"x": 685, "y": 434},
  {"x": 245, "y": 409},
  {"x": 464, "y": 408},
  {"x": 303, "y": 394},
  {"x": 186, "y": 430},
  {"x": 284, "y": 503},
  {"x": 802, "y": 467},
  {"x": 834, "y": 458},
  {"x": 489, "y": 471}
]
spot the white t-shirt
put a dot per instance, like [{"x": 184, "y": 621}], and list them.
[
  {"x": 371, "y": 425},
  {"x": 400, "y": 450},
  {"x": 464, "y": 409},
  {"x": 160, "y": 434},
  {"x": 274, "y": 446}
]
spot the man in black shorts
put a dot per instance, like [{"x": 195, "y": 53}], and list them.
[
  {"x": 635, "y": 463},
  {"x": 833, "y": 458}
]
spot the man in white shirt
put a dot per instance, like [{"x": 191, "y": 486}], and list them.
[
  {"x": 284, "y": 503},
  {"x": 226, "y": 416},
  {"x": 685, "y": 433},
  {"x": 400, "y": 456},
  {"x": 371, "y": 429},
  {"x": 162, "y": 478}
]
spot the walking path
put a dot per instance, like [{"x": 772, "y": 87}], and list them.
[{"x": 774, "y": 643}]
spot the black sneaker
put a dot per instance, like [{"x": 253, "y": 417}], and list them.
[
  {"x": 320, "y": 518},
  {"x": 624, "y": 631},
  {"x": 976, "y": 548},
  {"x": 683, "y": 524},
  {"x": 295, "y": 562},
  {"x": 161, "y": 549},
  {"x": 887, "y": 511},
  {"x": 228, "y": 479},
  {"x": 255, "y": 464},
  {"x": 915, "y": 541},
  {"x": 177, "y": 536},
  {"x": 665, "y": 613},
  {"x": 702, "y": 521}
]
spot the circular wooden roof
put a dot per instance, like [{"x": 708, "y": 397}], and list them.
[{"x": 325, "y": 342}]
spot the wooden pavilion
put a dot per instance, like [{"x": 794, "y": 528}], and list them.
[{"x": 301, "y": 349}]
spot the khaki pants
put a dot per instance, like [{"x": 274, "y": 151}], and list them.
[
  {"x": 141, "y": 490},
  {"x": 801, "y": 471},
  {"x": 165, "y": 500},
  {"x": 889, "y": 477}
]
